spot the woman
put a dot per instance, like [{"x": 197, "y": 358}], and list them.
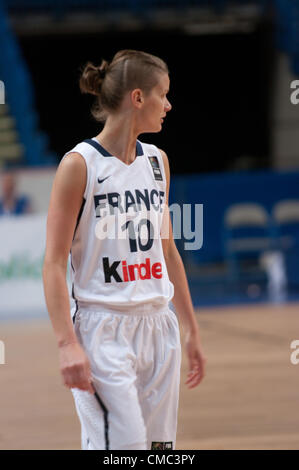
[
  {"x": 11, "y": 203},
  {"x": 121, "y": 355}
]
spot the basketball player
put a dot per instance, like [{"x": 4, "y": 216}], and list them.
[{"x": 120, "y": 352}]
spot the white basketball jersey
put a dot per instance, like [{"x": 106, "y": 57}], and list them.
[{"x": 117, "y": 260}]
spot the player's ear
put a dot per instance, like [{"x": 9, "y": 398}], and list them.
[{"x": 137, "y": 97}]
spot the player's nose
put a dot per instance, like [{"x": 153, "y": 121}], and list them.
[{"x": 167, "y": 106}]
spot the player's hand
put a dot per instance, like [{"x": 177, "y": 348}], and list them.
[
  {"x": 196, "y": 360},
  {"x": 75, "y": 367}
]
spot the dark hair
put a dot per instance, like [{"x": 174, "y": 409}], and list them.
[{"x": 127, "y": 70}]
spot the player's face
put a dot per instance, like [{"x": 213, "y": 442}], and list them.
[{"x": 156, "y": 105}]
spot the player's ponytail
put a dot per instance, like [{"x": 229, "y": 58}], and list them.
[
  {"x": 92, "y": 78},
  {"x": 128, "y": 70}
]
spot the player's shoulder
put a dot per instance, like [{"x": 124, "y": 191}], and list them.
[
  {"x": 163, "y": 153},
  {"x": 72, "y": 161},
  {"x": 72, "y": 172},
  {"x": 165, "y": 160},
  {"x": 78, "y": 154}
]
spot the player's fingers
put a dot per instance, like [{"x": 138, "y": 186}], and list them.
[
  {"x": 191, "y": 380},
  {"x": 86, "y": 387},
  {"x": 85, "y": 379},
  {"x": 77, "y": 376},
  {"x": 195, "y": 375},
  {"x": 191, "y": 376},
  {"x": 200, "y": 365},
  {"x": 70, "y": 375},
  {"x": 70, "y": 381},
  {"x": 90, "y": 388},
  {"x": 194, "y": 368},
  {"x": 192, "y": 372},
  {"x": 195, "y": 381}
]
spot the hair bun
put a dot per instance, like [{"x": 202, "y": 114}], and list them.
[
  {"x": 102, "y": 69},
  {"x": 92, "y": 78}
]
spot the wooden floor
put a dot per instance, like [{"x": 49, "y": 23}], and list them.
[{"x": 248, "y": 400}]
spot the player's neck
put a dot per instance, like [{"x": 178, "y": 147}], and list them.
[{"x": 119, "y": 138}]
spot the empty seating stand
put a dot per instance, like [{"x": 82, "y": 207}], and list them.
[
  {"x": 21, "y": 140},
  {"x": 11, "y": 150}
]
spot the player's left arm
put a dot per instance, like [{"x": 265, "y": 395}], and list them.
[{"x": 182, "y": 298}]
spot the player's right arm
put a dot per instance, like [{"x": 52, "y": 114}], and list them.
[{"x": 65, "y": 203}]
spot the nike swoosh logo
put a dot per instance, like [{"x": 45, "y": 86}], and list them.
[{"x": 101, "y": 181}]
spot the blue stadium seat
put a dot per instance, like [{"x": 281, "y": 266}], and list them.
[{"x": 247, "y": 234}]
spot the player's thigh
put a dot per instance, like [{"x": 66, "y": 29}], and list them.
[
  {"x": 113, "y": 417},
  {"x": 159, "y": 385}
]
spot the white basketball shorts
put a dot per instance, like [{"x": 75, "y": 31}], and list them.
[{"x": 135, "y": 359}]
